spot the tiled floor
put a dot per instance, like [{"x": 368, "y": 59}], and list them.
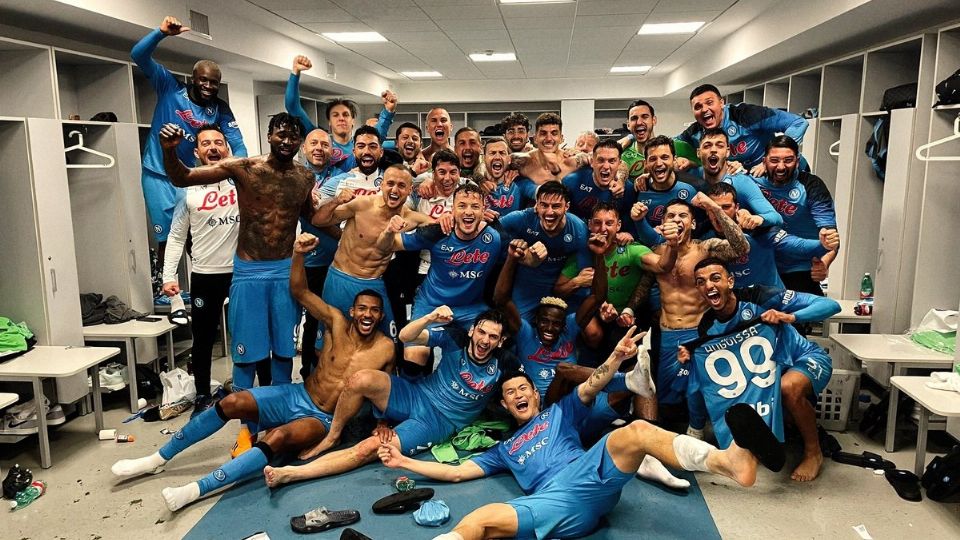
[{"x": 84, "y": 501}]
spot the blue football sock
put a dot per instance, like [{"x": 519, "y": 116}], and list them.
[
  {"x": 245, "y": 465},
  {"x": 197, "y": 429}
]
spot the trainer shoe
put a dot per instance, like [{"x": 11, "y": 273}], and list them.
[
  {"x": 244, "y": 442},
  {"x": 202, "y": 403}
]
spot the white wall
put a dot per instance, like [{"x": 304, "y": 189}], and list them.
[
  {"x": 243, "y": 102},
  {"x": 577, "y": 117}
]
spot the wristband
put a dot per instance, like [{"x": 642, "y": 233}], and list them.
[{"x": 626, "y": 311}]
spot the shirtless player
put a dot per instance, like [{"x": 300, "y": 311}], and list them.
[
  {"x": 682, "y": 304},
  {"x": 359, "y": 264},
  {"x": 547, "y": 162},
  {"x": 300, "y": 414},
  {"x": 272, "y": 192}
]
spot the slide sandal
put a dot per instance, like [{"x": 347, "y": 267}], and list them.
[
  {"x": 752, "y": 433},
  {"x": 867, "y": 460},
  {"x": 179, "y": 317},
  {"x": 353, "y": 534},
  {"x": 405, "y": 501},
  {"x": 321, "y": 519},
  {"x": 829, "y": 444},
  {"x": 906, "y": 483}
]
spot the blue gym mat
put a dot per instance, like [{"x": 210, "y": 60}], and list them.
[{"x": 645, "y": 510}]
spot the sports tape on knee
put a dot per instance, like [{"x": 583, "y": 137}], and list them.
[{"x": 691, "y": 453}]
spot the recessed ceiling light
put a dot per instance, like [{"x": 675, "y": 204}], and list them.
[
  {"x": 537, "y": 1},
  {"x": 490, "y": 56},
  {"x": 669, "y": 28},
  {"x": 421, "y": 74},
  {"x": 630, "y": 69},
  {"x": 355, "y": 37}
]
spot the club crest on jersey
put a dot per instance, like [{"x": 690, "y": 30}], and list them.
[
  {"x": 794, "y": 194},
  {"x": 486, "y": 238},
  {"x": 568, "y": 238},
  {"x": 731, "y": 130},
  {"x": 377, "y": 182},
  {"x": 491, "y": 369},
  {"x": 621, "y": 249},
  {"x": 747, "y": 314},
  {"x": 209, "y": 111},
  {"x": 683, "y": 194}
]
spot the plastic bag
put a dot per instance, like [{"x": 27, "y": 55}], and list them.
[{"x": 178, "y": 385}]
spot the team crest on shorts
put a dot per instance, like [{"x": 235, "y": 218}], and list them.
[
  {"x": 198, "y": 302},
  {"x": 157, "y": 229},
  {"x": 487, "y": 238},
  {"x": 568, "y": 238},
  {"x": 794, "y": 194},
  {"x": 747, "y": 314},
  {"x": 219, "y": 475},
  {"x": 241, "y": 349}
]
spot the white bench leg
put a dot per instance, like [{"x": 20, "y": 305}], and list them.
[{"x": 922, "y": 429}]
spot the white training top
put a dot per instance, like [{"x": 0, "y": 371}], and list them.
[
  {"x": 361, "y": 184},
  {"x": 211, "y": 214},
  {"x": 432, "y": 207}
]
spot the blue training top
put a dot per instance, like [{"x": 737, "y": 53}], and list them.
[
  {"x": 542, "y": 447},
  {"x": 342, "y": 153},
  {"x": 806, "y": 206},
  {"x": 458, "y": 268},
  {"x": 175, "y": 107},
  {"x": 459, "y": 388},
  {"x": 750, "y": 128},
  {"x": 539, "y": 362},
  {"x": 532, "y": 284}
]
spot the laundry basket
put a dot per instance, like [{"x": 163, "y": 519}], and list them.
[{"x": 837, "y": 399}]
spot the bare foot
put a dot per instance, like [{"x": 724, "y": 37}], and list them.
[
  {"x": 275, "y": 476},
  {"x": 740, "y": 465},
  {"x": 809, "y": 467}
]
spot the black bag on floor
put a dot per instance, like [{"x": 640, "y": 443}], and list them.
[
  {"x": 148, "y": 383},
  {"x": 941, "y": 478},
  {"x": 948, "y": 90},
  {"x": 899, "y": 97}
]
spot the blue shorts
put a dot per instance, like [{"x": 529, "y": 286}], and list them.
[
  {"x": 817, "y": 368},
  {"x": 262, "y": 313},
  {"x": 421, "y": 424},
  {"x": 571, "y": 503},
  {"x": 340, "y": 290},
  {"x": 161, "y": 198},
  {"x": 600, "y": 417},
  {"x": 672, "y": 376},
  {"x": 279, "y": 405}
]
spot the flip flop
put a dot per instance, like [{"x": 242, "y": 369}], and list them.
[
  {"x": 752, "y": 433},
  {"x": 321, "y": 519},
  {"x": 353, "y": 534},
  {"x": 829, "y": 444},
  {"x": 402, "y": 502},
  {"x": 867, "y": 460},
  {"x": 179, "y": 317},
  {"x": 906, "y": 483}
]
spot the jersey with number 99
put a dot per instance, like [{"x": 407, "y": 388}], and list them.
[{"x": 742, "y": 364}]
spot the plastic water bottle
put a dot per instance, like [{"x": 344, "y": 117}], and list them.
[
  {"x": 28, "y": 495},
  {"x": 866, "y": 287}
]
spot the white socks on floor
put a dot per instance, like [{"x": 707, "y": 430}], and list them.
[
  {"x": 449, "y": 536},
  {"x": 691, "y": 453},
  {"x": 151, "y": 464},
  {"x": 639, "y": 381},
  {"x": 177, "y": 498},
  {"x": 652, "y": 469}
]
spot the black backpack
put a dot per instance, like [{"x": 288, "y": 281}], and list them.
[
  {"x": 899, "y": 97},
  {"x": 948, "y": 90}
]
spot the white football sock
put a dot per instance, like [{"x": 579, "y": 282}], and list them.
[
  {"x": 695, "y": 433},
  {"x": 639, "y": 380},
  {"x": 652, "y": 469},
  {"x": 177, "y": 498},
  {"x": 691, "y": 453},
  {"x": 151, "y": 464}
]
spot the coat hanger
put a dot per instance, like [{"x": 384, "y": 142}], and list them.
[
  {"x": 834, "y": 149},
  {"x": 927, "y": 157},
  {"x": 79, "y": 146}
]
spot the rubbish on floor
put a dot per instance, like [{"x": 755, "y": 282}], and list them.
[
  {"x": 28, "y": 495},
  {"x": 107, "y": 434}
]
